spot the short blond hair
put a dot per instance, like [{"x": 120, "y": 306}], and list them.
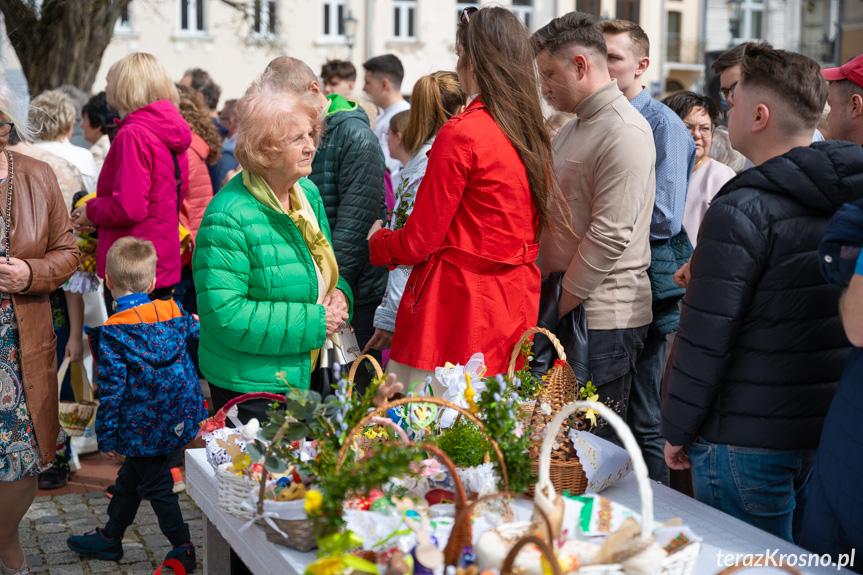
[
  {"x": 52, "y": 114},
  {"x": 131, "y": 263},
  {"x": 267, "y": 117},
  {"x": 138, "y": 80}
]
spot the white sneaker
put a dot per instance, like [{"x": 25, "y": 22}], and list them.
[
  {"x": 74, "y": 463},
  {"x": 83, "y": 445}
]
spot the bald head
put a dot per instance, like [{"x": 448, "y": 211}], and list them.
[{"x": 290, "y": 75}]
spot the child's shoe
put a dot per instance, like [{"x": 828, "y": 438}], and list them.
[
  {"x": 179, "y": 484},
  {"x": 185, "y": 554},
  {"x": 95, "y": 543}
]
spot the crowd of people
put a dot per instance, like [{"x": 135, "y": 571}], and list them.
[{"x": 714, "y": 327}]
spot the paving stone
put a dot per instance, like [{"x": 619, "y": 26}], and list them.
[
  {"x": 77, "y": 506},
  {"x": 97, "y": 566},
  {"x": 130, "y": 537},
  {"x": 154, "y": 540},
  {"x": 41, "y": 512},
  {"x": 103, "y": 518},
  {"x": 35, "y": 559},
  {"x": 71, "y": 569},
  {"x": 52, "y": 528},
  {"x": 52, "y": 559},
  {"x": 49, "y": 519},
  {"x": 134, "y": 556},
  {"x": 191, "y": 514},
  {"x": 68, "y": 498},
  {"x": 139, "y": 569},
  {"x": 148, "y": 529},
  {"x": 99, "y": 508},
  {"x": 187, "y": 505},
  {"x": 96, "y": 495},
  {"x": 38, "y": 570},
  {"x": 54, "y": 545},
  {"x": 145, "y": 519},
  {"x": 80, "y": 513},
  {"x": 84, "y": 524}
]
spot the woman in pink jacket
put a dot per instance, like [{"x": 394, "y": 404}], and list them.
[{"x": 146, "y": 173}]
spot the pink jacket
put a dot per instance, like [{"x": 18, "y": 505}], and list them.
[
  {"x": 200, "y": 188},
  {"x": 137, "y": 190}
]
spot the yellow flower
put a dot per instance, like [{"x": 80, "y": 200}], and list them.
[
  {"x": 314, "y": 501},
  {"x": 591, "y": 415},
  {"x": 325, "y": 566},
  {"x": 242, "y": 462}
]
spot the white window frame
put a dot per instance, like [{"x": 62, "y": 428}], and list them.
[
  {"x": 193, "y": 18},
  {"x": 401, "y": 11},
  {"x": 524, "y": 13},
  {"x": 333, "y": 20},
  {"x": 747, "y": 8},
  {"x": 265, "y": 32},
  {"x": 126, "y": 27},
  {"x": 460, "y": 6}
]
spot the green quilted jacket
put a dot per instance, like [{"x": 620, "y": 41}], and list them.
[
  {"x": 257, "y": 290},
  {"x": 348, "y": 169}
]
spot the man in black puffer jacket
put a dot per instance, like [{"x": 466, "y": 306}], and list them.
[{"x": 760, "y": 347}]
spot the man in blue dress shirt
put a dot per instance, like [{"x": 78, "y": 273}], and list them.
[{"x": 628, "y": 59}]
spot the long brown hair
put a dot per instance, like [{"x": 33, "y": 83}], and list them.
[
  {"x": 435, "y": 99},
  {"x": 195, "y": 114},
  {"x": 499, "y": 48}
]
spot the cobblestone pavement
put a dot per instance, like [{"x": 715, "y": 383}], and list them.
[{"x": 51, "y": 520}]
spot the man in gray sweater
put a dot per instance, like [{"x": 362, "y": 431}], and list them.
[{"x": 604, "y": 161}]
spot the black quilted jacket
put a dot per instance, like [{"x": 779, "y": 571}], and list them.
[
  {"x": 348, "y": 169},
  {"x": 760, "y": 347}
]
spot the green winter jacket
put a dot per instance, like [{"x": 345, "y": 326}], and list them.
[
  {"x": 257, "y": 290},
  {"x": 348, "y": 169}
]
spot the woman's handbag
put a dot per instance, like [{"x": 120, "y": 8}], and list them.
[
  {"x": 341, "y": 348},
  {"x": 571, "y": 332},
  {"x": 75, "y": 416}
]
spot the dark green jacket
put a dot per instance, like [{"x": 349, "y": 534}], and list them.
[
  {"x": 348, "y": 170},
  {"x": 666, "y": 257}
]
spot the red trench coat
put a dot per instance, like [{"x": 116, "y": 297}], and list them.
[{"x": 471, "y": 237}]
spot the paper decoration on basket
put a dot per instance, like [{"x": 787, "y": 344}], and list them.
[
  {"x": 452, "y": 378},
  {"x": 598, "y": 516},
  {"x": 603, "y": 462}
]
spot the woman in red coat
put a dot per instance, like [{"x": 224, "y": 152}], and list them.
[{"x": 479, "y": 212}]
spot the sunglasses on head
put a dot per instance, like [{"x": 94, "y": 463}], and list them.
[{"x": 467, "y": 13}]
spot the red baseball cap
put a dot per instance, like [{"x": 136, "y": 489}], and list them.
[{"x": 853, "y": 71}]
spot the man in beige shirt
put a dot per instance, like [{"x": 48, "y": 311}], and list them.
[{"x": 604, "y": 161}]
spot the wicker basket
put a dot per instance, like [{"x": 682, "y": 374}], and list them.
[
  {"x": 680, "y": 562},
  {"x": 560, "y": 387},
  {"x": 75, "y": 416},
  {"x": 233, "y": 489},
  {"x": 460, "y": 537},
  {"x": 297, "y": 534}
]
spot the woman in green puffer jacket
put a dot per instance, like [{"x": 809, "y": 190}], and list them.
[{"x": 269, "y": 290}]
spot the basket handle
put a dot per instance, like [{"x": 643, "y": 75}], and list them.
[
  {"x": 544, "y": 547},
  {"x": 343, "y": 451},
  {"x": 464, "y": 516},
  {"x": 61, "y": 374},
  {"x": 356, "y": 365},
  {"x": 510, "y": 371},
  {"x": 544, "y": 485},
  {"x": 222, "y": 414}
]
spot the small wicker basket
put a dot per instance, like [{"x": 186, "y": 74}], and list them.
[
  {"x": 560, "y": 387},
  {"x": 75, "y": 416}
]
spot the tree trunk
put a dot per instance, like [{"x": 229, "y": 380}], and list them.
[{"x": 65, "y": 43}]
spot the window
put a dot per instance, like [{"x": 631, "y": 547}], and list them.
[
  {"x": 588, "y": 6},
  {"x": 673, "y": 45},
  {"x": 628, "y": 10},
  {"x": 124, "y": 21},
  {"x": 334, "y": 18},
  {"x": 524, "y": 10},
  {"x": 404, "y": 19},
  {"x": 461, "y": 5},
  {"x": 264, "y": 17},
  {"x": 192, "y": 16}
]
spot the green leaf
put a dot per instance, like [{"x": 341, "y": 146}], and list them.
[
  {"x": 255, "y": 452},
  {"x": 275, "y": 465},
  {"x": 296, "y": 430},
  {"x": 358, "y": 564}
]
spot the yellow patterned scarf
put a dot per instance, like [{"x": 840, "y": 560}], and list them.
[{"x": 304, "y": 218}]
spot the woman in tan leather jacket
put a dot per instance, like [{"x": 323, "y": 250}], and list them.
[{"x": 37, "y": 255}]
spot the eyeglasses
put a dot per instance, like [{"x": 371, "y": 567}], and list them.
[
  {"x": 467, "y": 13},
  {"x": 705, "y": 130},
  {"x": 6, "y": 128},
  {"x": 725, "y": 92}
]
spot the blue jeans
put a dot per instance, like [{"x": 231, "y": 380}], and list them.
[
  {"x": 764, "y": 487},
  {"x": 643, "y": 415}
]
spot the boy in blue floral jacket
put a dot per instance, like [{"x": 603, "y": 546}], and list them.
[{"x": 151, "y": 401}]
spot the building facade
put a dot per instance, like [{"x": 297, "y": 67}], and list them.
[{"x": 235, "y": 45}]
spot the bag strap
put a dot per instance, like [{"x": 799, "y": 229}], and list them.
[{"x": 177, "y": 178}]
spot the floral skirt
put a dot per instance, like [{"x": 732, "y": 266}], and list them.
[{"x": 19, "y": 454}]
